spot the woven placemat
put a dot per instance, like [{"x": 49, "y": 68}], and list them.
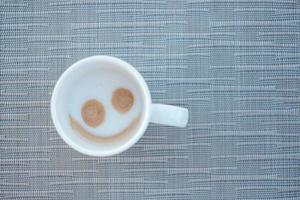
[{"x": 234, "y": 64}]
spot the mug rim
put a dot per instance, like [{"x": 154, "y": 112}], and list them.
[{"x": 147, "y": 103}]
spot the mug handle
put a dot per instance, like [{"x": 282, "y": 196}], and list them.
[{"x": 169, "y": 115}]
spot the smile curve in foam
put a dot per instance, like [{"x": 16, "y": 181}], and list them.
[{"x": 126, "y": 132}]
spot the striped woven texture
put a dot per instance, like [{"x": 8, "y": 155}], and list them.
[{"x": 235, "y": 64}]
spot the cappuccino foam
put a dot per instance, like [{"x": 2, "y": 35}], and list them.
[{"x": 104, "y": 103}]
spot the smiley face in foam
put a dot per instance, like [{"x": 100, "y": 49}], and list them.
[
  {"x": 104, "y": 105},
  {"x": 93, "y": 114}
]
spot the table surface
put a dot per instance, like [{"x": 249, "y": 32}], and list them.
[{"x": 234, "y": 64}]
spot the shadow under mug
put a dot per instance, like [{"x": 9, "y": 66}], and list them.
[{"x": 152, "y": 112}]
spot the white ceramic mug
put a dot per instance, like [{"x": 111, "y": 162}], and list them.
[{"x": 154, "y": 113}]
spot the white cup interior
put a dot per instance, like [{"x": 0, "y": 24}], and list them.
[{"x": 60, "y": 100}]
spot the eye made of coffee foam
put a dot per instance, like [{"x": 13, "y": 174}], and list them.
[
  {"x": 93, "y": 113},
  {"x": 122, "y": 100}
]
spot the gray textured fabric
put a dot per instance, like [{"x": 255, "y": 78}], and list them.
[{"x": 235, "y": 64}]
